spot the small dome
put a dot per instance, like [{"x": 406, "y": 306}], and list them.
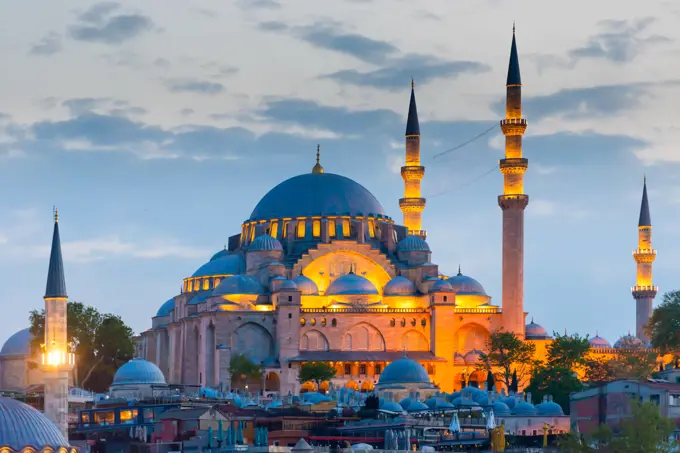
[
  {"x": 549, "y": 408},
  {"x": 500, "y": 408},
  {"x": 461, "y": 401},
  {"x": 229, "y": 264},
  {"x": 238, "y": 284},
  {"x": 524, "y": 408},
  {"x": 166, "y": 308},
  {"x": 597, "y": 342},
  {"x": 472, "y": 357},
  {"x": 481, "y": 398},
  {"x": 222, "y": 253},
  {"x": 200, "y": 297},
  {"x": 629, "y": 341},
  {"x": 404, "y": 371},
  {"x": 399, "y": 286},
  {"x": 464, "y": 285},
  {"x": 458, "y": 359},
  {"x": 391, "y": 406},
  {"x": 351, "y": 284},
  {"x": 23, "y": 426},
  {"x": 535, "y": 331},
  {"x": 434, "y": 401},
  {"x": 265, "y": 243},
  {"x": 412, "y": 244},
  {"x": 405, "y": 403},
  {"x": 441, "y": 286},
  {"x": 510, "y": 401},
  {"x": 288, "y": 285},
  {"x": 138, "y": 371},
  {"x": 306, "y": 285},
  {"x": 18, "y": 344},
  {"x": 417, "y": 406}
]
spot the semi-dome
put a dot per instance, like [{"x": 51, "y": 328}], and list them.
[
  {"x": 229, "y": 264},
  {"x": 18, "y": 344},
  {"x": 317, "y": 194},
  {"x": 200, "y": 297},
  {"x": 22, "y": 426},
  {"x": 265, "y": 243},
  {"x": 404, "y": 371},
  {"x": 524, "y": 408},
  {"x": 238, "y": 284},
  {"x": 351, "y": 284},
  {"x": 288, "y": 285},
  {"x": 306, "y": 285},
  {"x": 412, "y": 244},
  {"x": 535, "y": 331},
  {"x": 166, "y": 308},
  {"x": 549, "y": 408},
  {"x": 222, "y": 253},
  {"x": 441, "y": 286},
  {"x": 464, "y": 285},
  {"x": 628, "y": 341},
  {"x": 399, "y": 286},
  {"x": 138, "y": 371},
  {"x": 597, "y": 342}
]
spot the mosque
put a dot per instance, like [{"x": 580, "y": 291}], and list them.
[{"x": 320, "y": 272}]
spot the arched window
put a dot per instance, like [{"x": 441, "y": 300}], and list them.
[
  {"x": 423, "y": 322},
  {"x": 413, "y": 322},
  {"x": 217, "y": 282},
  {"x": 316, "y": 228},
  {"x": 313, "y": 321},
  {"x": 206, "y": 284},
  {"x": 331, "y": 228},
  {"x": 252, "y": 232},
  {"x": 302, "y": 321},
  {"x": 393, "y": 322},
  {"x": 274, "y": 229},
  {"x": 301, "y": 229},
  {"x": 371, "y": 228},
  {"x": 403, "y": 322},
  {"x": 190, "y": 286},
  {"x": 345, "y": 227},
  {"x": 323, "y": 322},
  {"x": 334, "y": 322}
]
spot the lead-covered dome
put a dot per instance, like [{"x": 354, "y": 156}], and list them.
[
  {"x": 166, "y": 308},
  {"x": 628, "y": 341},
  {"x": 549, "y": 408},
  {"x": 222, "y": 253},
  {"x": 18, "y": 344},
  {"x": 22, "y": 426},
  {"x": 399, "y": 286},
  {"x": 238, "y": 284},
  {"x": 535, "y": 331},
  {"x": 138, "y": 371},
  {"x": 306, "y": 285},
  {"x": 441, "y": 286},
  {"x": 265, "y": 243},
  {"x": 464, "y": 285},
  {"x": 317, "y": 194},
  {"x": 413, "y": 244},
  {"x": 228, "y": 264},
  {"x": 351, "y": 284},
  {"x": 598, "y": 342},
  {"x": 404, "y": 371}
]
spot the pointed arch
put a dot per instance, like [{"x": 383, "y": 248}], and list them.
[
  {"x": 470, "y": 337},
  {"x": 314, "y": 341},
  {"x": 363, "y": 337},
  {"x": 252, "y": 340},
  {"x": 414, "y": 341}
]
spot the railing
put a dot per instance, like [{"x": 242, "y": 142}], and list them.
[
  {"x": 363, "y": 310},
  {"x": 514, "y": 122},
  {"x": 644, "y": 288},
  {"x": 644, "y": 252},
  {"x": 479, "y": 310}
]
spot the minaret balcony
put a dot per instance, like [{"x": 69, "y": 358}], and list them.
[
  {"x": 644, "y": 255},
  {"x": 412, "y": 204},
  {"x": 513, "y": 165},
  {"x": 644, "y": 292},
  {"x": 513, "y": 126},
  {"x": 513, "y": 201},
  {"x": 412, "y": 173},
  {"x": 422, "y": 234}
]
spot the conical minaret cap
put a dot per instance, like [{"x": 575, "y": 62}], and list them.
[
  {"x": 412, "y": 124},
  {"x": 513, "y": 68},
  {"x": 56, "y": 282},
  {"x": 645, "y": 218}
]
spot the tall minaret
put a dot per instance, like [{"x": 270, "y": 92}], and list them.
[
  {"x": 513, "y": 201},
  {"x": 412, "y": 205},
  {"x": 57, "y": 360},
  {"x": 644, "y": 291}
]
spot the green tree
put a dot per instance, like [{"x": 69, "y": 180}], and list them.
[
  {"x": 556, "y": 381},
  {"x": 490, "y": 382},
  {"x": 598, "y": 369},
  {"x": 510, "y": 354},
  {"x": 316, "y": 372},
  {"x": 664, "y": 325},
  {"x": 243, "y": 369},
  {"x": 567, "y": 351},
  {"x": 633, "y": 361},
  {"x": 100, "y": 342}
]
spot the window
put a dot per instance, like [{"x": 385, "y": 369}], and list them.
[
  {"x": 128, "y": 416},
  {"x": 656, "y": 399},
  {"x": 674, "y": 399},
  {"x": 252, "y": 232},
  {"x": 413, "y": 322},
  {"x": 423, "y": 322},
  {"x": 217, "y": 282},
  {"x": 403, "y": 322},
  {"x": 393, "y": 322},
  {"x": 313, "y": 321},
  {"x": 362, "y": 368},
  {"x": 348, "y": 369},
  {"x": 316, "y": 228},
  {"x": 301, "y": 229},
  {"x": 334, "y": 322},
  {"x": 445, "y": 297},
  {"x": 323, "y": 322},
  {"x": 104, "y": 418},
  {"x": 345, "y": 227},
  {"x": 302, "y": 321},
  {"x": 290, "y": 298},
  {"x": 274, "y": 229},
  {"x": 430, "y": 369},
  {"x": 206, "y": 284},
  {"x": 290, "y": 315},
  {"x": 331, "y": 228},
  {"x": 285, "y": 229},
  {"x": 378, "y": 369},
  {"x": 190, "y": 285},
  {"x": 371, "y": 228}
]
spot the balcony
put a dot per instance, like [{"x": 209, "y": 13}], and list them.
[
  {"x": 514, "y": 122},
  {"x": 363, "y": 310}
]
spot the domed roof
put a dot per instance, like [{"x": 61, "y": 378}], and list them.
[
  {"x": 265, "y": 243},
  {"x": 441, "y": 286},
  {"x": 406, "y": 402},
  {"x": 317, "y": 194},
  {"x": 404, "y": 371},
  {"x": 22, "y": 426},
  {"x": 220, "y": 254},
  {"x": 500, "y": 408},
  {"x": 288, "y": 285},
  {"x": 598, "y": 342},
  {"x": 229, "y": 264},
  {"x": 18, "y": 344},
  {"x": 510, "y": 401},
  {"x": 200, "y": 297},
  {"x": 351, "y": 284},
  {"x": 417, "y": 406},
  {"x": 629, "y": 341},
  {"x": 524, "y": 408},
  {"x": 461, "y": 401},
  {"x": 391, "y": 406},
  {"x": 238, "y": 284},
  {"x": 536, "y": 331},
  {"x": 549, "y": 408},
  {"x": 413, "y": 244},
  {"x": 138, "y": 371},
  {"x": 306, "y": 285},
  {"x": 399, "y": 286},
  {"x": 464, "y": 285},
  {"x": 166, "y": 308}
]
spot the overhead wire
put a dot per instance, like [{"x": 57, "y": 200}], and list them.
[
  {"x": 467, "y": 142},
  {"x": 461, "y": 186}
]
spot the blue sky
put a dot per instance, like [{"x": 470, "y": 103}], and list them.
[{"x": 156, "y": 127}]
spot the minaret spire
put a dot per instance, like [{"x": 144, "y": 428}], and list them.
[
  {"x": 56, "y": 282},
  {"x": 412, "y": 205},
  {"x": 318, "y": 168},
  {"x": 644, "y": 290},
  {"x": 514, "y": 200}
]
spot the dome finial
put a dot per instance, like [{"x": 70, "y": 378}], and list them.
[
  {"x": 317, "y": 168},
  {"x": 413, "y": 84},
  {"x": 459, "y": 273},
  {"x": 55, "y": 212},
  {"x": 513, "y": 27}
]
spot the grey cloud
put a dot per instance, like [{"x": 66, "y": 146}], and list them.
[
  {"x": 48, "y": 45},
  {"x": 194, "y": 86},
  {"x": 272, "y": 26},
  {"x": 397, "y": 73},
  {"x": 219, "y": 70},
  {"x": 205, "y": 12},
  {"x": 620, "y": 41},
  {"x": 78, "y": 106},
  {"x": 128, "y": 111},
  {"x": 162, "y": 63},
  {"x": 186, "y": 112},
  {"x": 259, "y": 4},
  {"x": 117, "y": 107},
  {"x": 98, "y": 25}
]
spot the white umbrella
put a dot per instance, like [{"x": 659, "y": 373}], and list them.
[
  {"x": 454, "y": 427},
  {"x": 491, "y": 421}
]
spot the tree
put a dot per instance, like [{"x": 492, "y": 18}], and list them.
[
  {"x": 556, "y": 381},
  {"x": 100, "y": 342},
  {"x": 514, "y": 384},
  {"x": 490, "y": 382},
  {"x": 664, "y": 325},
  {"x": 316, "y": 372},
  {"x": 244, "y": 369},
  {"x": 598, "y": 369},
  {"x": 633, "y": 361},
  {"x": 567, "y": 351},
  {"x": 372, "y": 402},
  {"x": 510, "y": 354}
]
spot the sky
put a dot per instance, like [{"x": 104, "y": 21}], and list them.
[{"x": 155, "y": 128}]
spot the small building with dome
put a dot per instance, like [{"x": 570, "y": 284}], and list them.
[{"x": 139, "y": 379}]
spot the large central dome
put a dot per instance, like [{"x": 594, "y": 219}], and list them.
[{"x": 317, "y": 194}]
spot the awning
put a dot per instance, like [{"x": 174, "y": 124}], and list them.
[{"x": 364, "y": 356}]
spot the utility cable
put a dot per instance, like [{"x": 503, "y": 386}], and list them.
[
  {"x": 467, "y": 142},
  {"x": 468, "y": 183}
]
